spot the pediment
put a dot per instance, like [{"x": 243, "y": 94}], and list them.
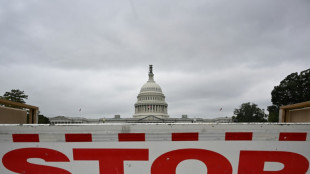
[{"x": 151, "y": 118}]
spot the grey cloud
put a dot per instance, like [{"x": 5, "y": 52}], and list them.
[{"x": 206, "y": 54}]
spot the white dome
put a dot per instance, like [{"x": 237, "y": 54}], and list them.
[
  {"x": 151, "y": 100},
  {"x": 151, "y": 86}
]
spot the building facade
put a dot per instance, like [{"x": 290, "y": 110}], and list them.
[
  {"x": 151, "y": 100},
  {"x": 148, "y": 119},
  {"x": 150, "y": 107},
  {"x": 73, "y": 120}
]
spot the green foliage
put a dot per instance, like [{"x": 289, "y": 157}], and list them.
[
  {"x": 16, "y": 96},
  {"x": 43, "y": 120},
  {"x": 293, "y": 89},
  {"x": 273, "y": 113},
  {"x": 249, "y": 112},
  {"x": 233, "y": 119}
]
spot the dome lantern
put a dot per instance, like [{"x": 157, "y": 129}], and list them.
[{"x": 151, "y": 75}]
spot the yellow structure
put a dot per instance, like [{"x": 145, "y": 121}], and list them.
[
  {"x": 9, "y": 115},
  {"x": 299, "y": 112}
]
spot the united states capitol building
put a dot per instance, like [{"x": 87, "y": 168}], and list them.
[{"x": 151, "y": 107}]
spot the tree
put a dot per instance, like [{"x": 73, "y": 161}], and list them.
[
  {"x": 16, "y": 96},
  {"x": 295, "y": 88},
  {"x": 249, "y": 112},
  {"x": 273, "y": 113},
  {"x": 43, "y": 120}
]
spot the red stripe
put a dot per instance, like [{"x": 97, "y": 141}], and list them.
[
  {"x": 189, "y": 136},
  {"x": 131, "y": 137},
  {"x": 78, "y": 137},
  {"x": 25, "y": 137},
  {"x": 293, "y": 136},
  {"x": 238, "y": 136}
]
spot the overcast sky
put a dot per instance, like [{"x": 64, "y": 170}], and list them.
[{"x": 94, "y": 54}]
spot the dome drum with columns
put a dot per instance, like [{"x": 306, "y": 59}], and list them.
[{"x": 151, "y": 100}]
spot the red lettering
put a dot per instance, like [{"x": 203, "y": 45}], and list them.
[
  {"x": 111, "y": 160},
  {"x": 252, "y": 162},
  {"x": 16, "y": 160},
  {"x": 168, "y": 162}
]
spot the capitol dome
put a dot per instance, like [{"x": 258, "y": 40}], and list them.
[
  {"x": 151, "y": 100},
  {"x": 151, "y": 86}
]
